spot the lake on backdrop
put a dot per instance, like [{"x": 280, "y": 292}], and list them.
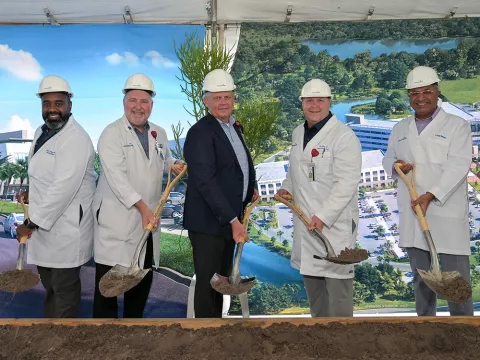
[{"x": 348, "y": 48}]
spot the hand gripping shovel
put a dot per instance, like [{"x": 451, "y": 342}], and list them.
[
  {"x": 120, "y": 279},
  {"x": 20, "y": 279},
  {"x": 235, "y": 284},
  {"x": 347, "y": 256},
  {"x": 449, "y": 284}
]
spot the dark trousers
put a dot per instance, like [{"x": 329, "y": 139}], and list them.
[
  {"x": 211, "y": 254},
  {"x": 134, "y": 300},
  {"x": 64, "y": 291}
]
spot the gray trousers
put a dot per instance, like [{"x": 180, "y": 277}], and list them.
[
  {"x": 426, "y": 299},
  {"x": 64, "y": 291},
  {"x": 329, "y": 297}
]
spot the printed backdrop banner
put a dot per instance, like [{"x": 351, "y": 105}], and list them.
[{"x": 366, "y": 65}]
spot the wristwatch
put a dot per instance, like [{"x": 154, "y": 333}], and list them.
[{"x": 30, "y": 224}]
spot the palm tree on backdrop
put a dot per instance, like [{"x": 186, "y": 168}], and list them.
[
  {"x": 8, "y": 172},
  {"x": 22, "y": 172}
]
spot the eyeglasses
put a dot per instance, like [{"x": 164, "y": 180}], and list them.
[{"x": 417, "y": 93}]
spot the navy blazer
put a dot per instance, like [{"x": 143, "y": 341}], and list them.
[{"x": 215, "y": 179}]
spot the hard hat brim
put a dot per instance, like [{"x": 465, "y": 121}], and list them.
[
  {"x": 152, "y": 93},
  {"x": 70, "y": 95},
  {"x": 428, "y": 83}
]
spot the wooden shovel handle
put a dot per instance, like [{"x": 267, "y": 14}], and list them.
[
  {"x": 413, "y": 194},
  {"x": 291, "y": 204},
  {"x": 248, "y": 211},
  {"x": 23, "y": 240},
  {"x": 163, "y": 199}
]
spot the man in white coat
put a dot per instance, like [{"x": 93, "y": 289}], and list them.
[
  {"x": 323, "y": 177},
  {"x": 439, "y": 145},
  {"x": 62, "y": 184},
  {"x": 134, "y": 154}
]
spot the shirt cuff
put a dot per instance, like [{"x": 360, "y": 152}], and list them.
[{"x": 235, "y": 218}]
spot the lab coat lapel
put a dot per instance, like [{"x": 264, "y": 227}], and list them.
[
  {"x": 317, "y": 139},
  {"x": 436, "y": 126},
  {"x": 414, "y": 149},
  {"x": 132, "y": 136}
]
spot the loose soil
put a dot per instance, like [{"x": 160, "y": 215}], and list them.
[
  {"x": 114, "y": 285},
  {"x": 281, "y": 341},
  {"x": 457, "y": 290},
  {"x": 350, "y": 256},
  {"x": 18, "y": 280}
]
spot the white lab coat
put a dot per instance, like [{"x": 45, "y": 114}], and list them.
[
  {"x": 442, "y": 154},
  {"x": 332, "y": 197},
  {"x": 62, "y": 184},
  {"x": 127, "y": 176}
]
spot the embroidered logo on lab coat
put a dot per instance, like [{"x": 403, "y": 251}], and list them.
[
  {"x": 441, "y": 136},
  {"x": 49, "y": 152},
  {"x": 403, "y": 138}
]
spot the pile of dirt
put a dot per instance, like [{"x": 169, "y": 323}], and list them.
[
  {"x": 116, "y": 285},
  {"x": 350, "y": 256},
  {"x": 18, "y": 280},
  {"x": 361, "y": 341}
]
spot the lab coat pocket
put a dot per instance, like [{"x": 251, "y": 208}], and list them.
[
  {"x": 439, "y": 150},
  {"x": 322, "y": 165},
  {"x": 116, "y": 220}
]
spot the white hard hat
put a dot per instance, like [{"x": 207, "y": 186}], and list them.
[
  {"x": 315, "y": 88},
  {"x": 218, "y": 80},
  {"x": 52, "y": 84},
  {"x": 139, "y": 82},
  {"x": 421, "y": 76}
]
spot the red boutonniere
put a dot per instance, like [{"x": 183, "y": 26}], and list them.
[
  {"x": 238, "y": 125},
  {"x": 315, "y": 153},
  {"x": 154, "y": 134}
]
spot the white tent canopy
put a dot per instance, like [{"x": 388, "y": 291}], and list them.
[{"x": 227, "y": 11}]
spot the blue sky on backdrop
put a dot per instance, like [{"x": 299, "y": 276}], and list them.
[{"x": 96, "y": 60}]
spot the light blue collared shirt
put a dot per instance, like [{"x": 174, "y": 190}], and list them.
[{"x": 239, "y": 149}]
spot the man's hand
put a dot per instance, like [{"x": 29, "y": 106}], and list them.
[
  {"x": 23, "y": 231},
  {"x": 284, "y": 194},
  {"x": 404, "y": 166},
  {"x": 255, "y": 195},
  {"x": 423, "y": 200},
  {"x": 239, "y": 232},
  {"x": 147, "y": 214},
  {"x": 178, "y": 167},
  {"x": 23, "y": 196},
  {"x": 316, "y": 223}
]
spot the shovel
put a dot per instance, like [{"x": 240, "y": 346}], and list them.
[
  {"x": 449, "y": 284},
  {"x": 19, "y": 280},
  {"x": 347, "y": 256},
  {"x": 120, "y": 279},
  {"x": 235, "y": 284}
]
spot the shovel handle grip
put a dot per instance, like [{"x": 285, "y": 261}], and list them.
[
  {"x": 291, "y": 204},
  {"x": 248, "y": 211},
  {"x": 413, "y": 194},
  {"x": 163, "y": 199}
]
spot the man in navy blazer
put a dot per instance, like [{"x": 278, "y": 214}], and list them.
[{"x": 221, "y": 182}]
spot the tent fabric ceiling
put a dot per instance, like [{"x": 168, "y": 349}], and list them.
[{"x": 228, "y": 11}]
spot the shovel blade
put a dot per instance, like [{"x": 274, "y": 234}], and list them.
[
  {"x": 222, "y": 285},
  {"x": 449, "y": 284},
  {"x": 120, "y": 279}
]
